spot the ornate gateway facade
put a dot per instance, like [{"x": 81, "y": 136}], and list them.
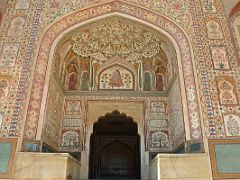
[{"x": 120, "y": 89}]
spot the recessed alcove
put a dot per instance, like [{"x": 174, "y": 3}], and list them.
[
  {"x": 114, "y": 148},
  {"x": 115, "y": 64}
]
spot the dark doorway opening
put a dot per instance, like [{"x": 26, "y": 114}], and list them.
[{"x": 114, "y": 148}]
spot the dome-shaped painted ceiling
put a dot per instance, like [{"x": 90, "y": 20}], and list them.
[
  {"x": 116, "y": 37},
  {"x": 89, "y": 56}
]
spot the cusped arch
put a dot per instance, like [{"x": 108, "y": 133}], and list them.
[
  {"x": 81, "y": 17},
  {"x": 121, "y": 119}
]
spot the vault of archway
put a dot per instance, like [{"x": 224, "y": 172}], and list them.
[{"x": 116, "y": 39}]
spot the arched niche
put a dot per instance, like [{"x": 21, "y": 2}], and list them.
[
  {"x": 72, "y": 81},
  {"x": 159, "y": 82},
  {"x": 147, "y": 81},
  {"x": 116, "y": 77},
  {"x": 85, "y": 80}
]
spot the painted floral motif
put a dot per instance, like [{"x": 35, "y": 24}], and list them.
[
  {"x": 70, "y": 140},
  {"x": 116, "y": 38},
  {"x": 219, "y": 57},
  {"x": 214, "y": 30},
  {"x": 73, "y": 107},
  {"x": 209, "y": 6},
  {"x": 174, "y": 10},
  {"x": 226, "y": 92},
  {"x": 71, "y": 121},
  {"x": 16, "y": 27},
  {"x": 22, "y": 4},
  {"x": 178, "y": 7},
  {"x": 72, "y": 129},
  {"x": 3, "y": 90},
  {"x": 159, "y": 140},
  {"x": 9, "y": 55},
  {"x": 232, "y": 125},
  {"x": 157, "y": 118},
  {"x": 158, "y": 108},
  {"x": 86, "y": 14}
]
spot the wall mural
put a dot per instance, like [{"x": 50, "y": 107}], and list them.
[
  {"x": 143, "y": 59},
  {"x": 210, "y": 38},
  {"x": 116, "y": 77},
  {"x": 118, "y": 38},
  {"x": 169, "y": 26},
  {"x": 156, "y": 114},
  {"x": 72, "y": 128}
]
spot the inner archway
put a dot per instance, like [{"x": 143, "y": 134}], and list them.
[{"x": 114, "y": 148}]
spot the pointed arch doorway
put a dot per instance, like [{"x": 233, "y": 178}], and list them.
[{"x": 114, "y": 148}]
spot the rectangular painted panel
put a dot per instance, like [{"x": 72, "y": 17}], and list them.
[
  {"x": 227, "y": 158},
  {"x": 5, "y": 154}
]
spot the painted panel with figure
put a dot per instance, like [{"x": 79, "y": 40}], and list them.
[{"x": 116, "y": 77}]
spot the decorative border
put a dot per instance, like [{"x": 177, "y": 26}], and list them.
[
  {"x": 13, "y": 142},
  {"x": 212, "y": 143}
]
